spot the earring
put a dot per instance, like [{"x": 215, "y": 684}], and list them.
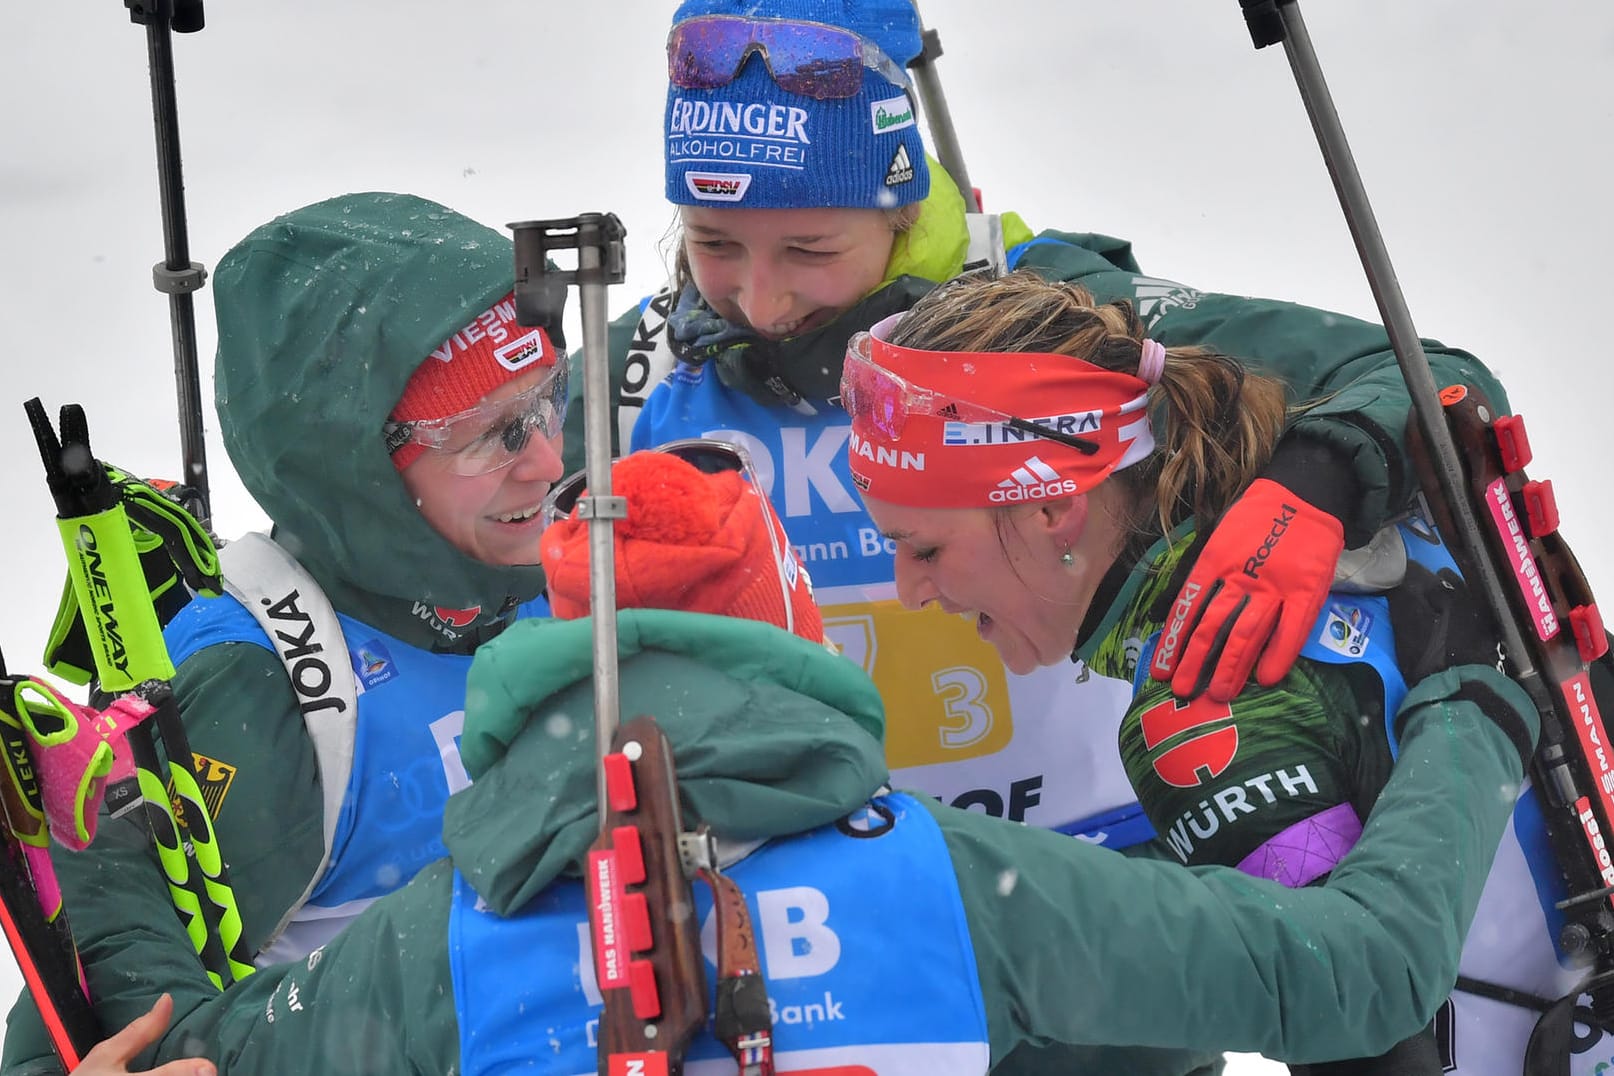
[{"x": 1067, "y": 558}]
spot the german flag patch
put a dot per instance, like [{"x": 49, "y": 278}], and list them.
[{"x": 213, "y": 779}]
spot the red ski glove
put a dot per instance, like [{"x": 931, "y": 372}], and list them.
[{"x": 1254, "y": 592}]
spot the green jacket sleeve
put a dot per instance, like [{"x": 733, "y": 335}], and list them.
[
  {"x": 240, "y": 713},
  {"x": 368, "y": 1002},
  {"x": 1344, "y": 362},
  {"x": 365, "y": 1003},
  {"x": 1077, "y": 945}
]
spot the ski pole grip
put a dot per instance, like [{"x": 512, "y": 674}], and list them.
[
  {"x": 110, "y": 586},
  {"x": 187, "y": 17},
  {"x": 1264, "y": 21},
  {"x": 182, "y": 16}
]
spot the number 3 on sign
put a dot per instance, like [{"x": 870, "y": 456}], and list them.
[{"x": 962, "y": 690}]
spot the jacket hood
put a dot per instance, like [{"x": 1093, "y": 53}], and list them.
[
  {"x": 935, "y": 246},
  {"x": 771, "y": 735},
  {"x": 323, "y": 315}
]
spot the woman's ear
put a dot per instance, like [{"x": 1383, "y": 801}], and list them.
[{"x": 1064, "y": 519}]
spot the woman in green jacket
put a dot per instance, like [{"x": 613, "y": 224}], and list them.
[
  {"x": 1062, "y": 541},
  {"x": 911, "y": 932}
]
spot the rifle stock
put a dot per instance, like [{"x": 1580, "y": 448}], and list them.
[
  {"x": 1502, "y": 528},
  {"x": 648, "y": 959},
  {"x": 647, "y": 951},
  {"x": 1552, "y": 606}
]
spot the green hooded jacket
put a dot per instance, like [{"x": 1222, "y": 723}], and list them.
[
  {"x": 1076, "y": 946},
  {"x": 323, "y": 315}
]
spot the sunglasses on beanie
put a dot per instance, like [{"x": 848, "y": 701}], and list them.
[{"x": 812, "y": 59}]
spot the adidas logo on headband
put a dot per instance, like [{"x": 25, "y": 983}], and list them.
[{"x": 1033, "y": 480}]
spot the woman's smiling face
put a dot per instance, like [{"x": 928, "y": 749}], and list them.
[
  {"x": 1006, "y": 568},
  {"x": 493, "y": 516},
  {"x": 783, "y": 272}
]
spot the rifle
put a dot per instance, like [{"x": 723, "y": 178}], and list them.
[
  {"x": 1472, "y": 465},
  {"x": 646, "y": 936},
  {"x": 176, "y": 275},
  {"x": 130, "y": 657}
]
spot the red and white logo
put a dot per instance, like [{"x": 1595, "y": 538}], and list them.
[
  {"x": 456, "y": 618},
  {"x": 1180, "y": 612},
  {"x": 1214, "y": 742},
  {"x": 495, "y": 331},
  {"x": 718, "y": 186},
  {"x": 521, "y": 352}
]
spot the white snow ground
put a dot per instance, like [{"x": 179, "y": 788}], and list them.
[{"x": 1483, "y": 139}]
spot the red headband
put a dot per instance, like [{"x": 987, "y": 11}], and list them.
[{"x": 949, "y": 429}]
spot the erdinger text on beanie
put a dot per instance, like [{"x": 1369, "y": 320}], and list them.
[{"x": 749, "y": 142}]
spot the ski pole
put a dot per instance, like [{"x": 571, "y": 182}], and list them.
[
  {"x": 31, "y": 911},
  {"x": 938, "y": 117},
  {"x": 130, "y": 656},
  {"x": 1549, "y": 591},
  {"x": 178, "y": 556},
  {"x": 176, "y": 276}
]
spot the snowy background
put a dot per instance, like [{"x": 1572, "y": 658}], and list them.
[{"x": 1482, "y": 134}]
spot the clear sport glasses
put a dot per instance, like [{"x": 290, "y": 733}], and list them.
[
  {"x": 813, "y": 59},
  {"x": 709, "y": 457},
  {"x": 873, "y": 395},
  {"x": 492, "y": 434}
]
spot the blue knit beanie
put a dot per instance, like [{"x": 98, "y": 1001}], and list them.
[{"x": 752, "y": 144}]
